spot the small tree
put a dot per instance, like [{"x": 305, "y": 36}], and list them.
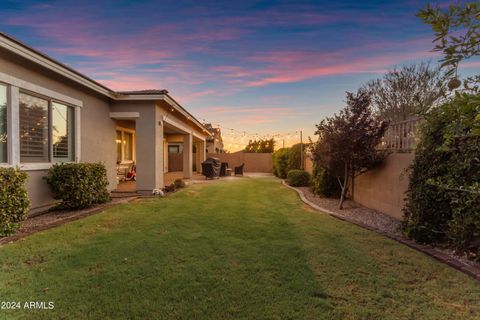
[
  {"x": 347, "y": 141},
  {"x": 408, "y": 91},
  {"x": 457, "y": 37},
  {"x": 260, "y": 146}
]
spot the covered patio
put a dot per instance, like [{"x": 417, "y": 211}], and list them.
[
  {"x": 168, "y": 178},
  {"x": 144, "y": 130}
]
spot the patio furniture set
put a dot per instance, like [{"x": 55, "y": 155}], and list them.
[{"x": 213, "y": 168}]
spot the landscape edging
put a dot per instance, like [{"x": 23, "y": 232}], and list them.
[{"x": 468, "y": 270}]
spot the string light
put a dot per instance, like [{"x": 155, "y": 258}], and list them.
[{"x": 242, "y": 136}]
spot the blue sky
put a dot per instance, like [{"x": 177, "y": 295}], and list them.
[{"x": 257, "y": 66}]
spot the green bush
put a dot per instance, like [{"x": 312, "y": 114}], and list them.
[
  {"x": 298, "y": 178},
  {"x": 78, "y": 185},
  {"x": 280, "y": 162},
  {"x": 443, "y": 200},
  {"x": 324, "y": 184},
  {"x": 179, "y": 183},
  {"x": 14, "y": 202},
  {"x": 294, "y": 157}
]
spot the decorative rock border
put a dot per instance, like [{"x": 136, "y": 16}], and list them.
[{"x": 442, "y": 257}]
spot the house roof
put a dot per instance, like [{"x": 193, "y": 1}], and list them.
[
  {"x": 142, "y": 92},
  {"x": 18, "y": 47},
  {"x": 33, "y": 51}
]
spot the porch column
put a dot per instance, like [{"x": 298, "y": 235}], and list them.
[
  {"x": 201, "y": 155},
  {"x": 187, "y": 156},
  {"x": 149, "y": 144}
]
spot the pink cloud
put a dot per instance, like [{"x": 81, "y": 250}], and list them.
[
  {"x": 246, "y": 110},
  {"x": 129, "y": 83}
]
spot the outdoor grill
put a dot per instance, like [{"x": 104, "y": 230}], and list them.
[{"x": 211, "y": 168}]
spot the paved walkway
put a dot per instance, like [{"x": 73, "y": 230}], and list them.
[{"x": 169, "y": 177}]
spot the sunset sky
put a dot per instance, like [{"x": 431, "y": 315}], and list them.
[{"x": 262, "y": 67}]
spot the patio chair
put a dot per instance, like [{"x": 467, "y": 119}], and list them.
[
  {"x": 131, "y": 173},
  {"x": 239, "y": 170},
  {"x": 223, "y": 169}
]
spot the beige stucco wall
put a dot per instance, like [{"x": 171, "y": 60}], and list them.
[
  {"x": 383, "y": 189},
  {"x": 149, "y": 142},
  {"x": 96, "y": 126},
  {"x": 254, "y": 162}
]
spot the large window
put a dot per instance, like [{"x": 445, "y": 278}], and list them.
[
  {"x": 3, "y": 124},
  {"x": 46, "y": 130},
  {"x": 128, "y": 146},
  {"x": 34, "y": 134},
  {"x": 62, "y": 132},
  {"x": 119, "y": 146},
  {"x": 125, "y": 146}
]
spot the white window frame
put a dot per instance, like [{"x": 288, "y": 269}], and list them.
[
  {"x": 14, "y": 87},
  {"x": 134, "y": 145},
  {"x": 8, "y": 124},
  {"x": 51, "y": 101}
]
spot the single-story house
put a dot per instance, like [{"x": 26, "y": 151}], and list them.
[{"x": 52, "y": 113}]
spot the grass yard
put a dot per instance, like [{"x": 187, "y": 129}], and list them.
[{"x": 247, "y": 249}]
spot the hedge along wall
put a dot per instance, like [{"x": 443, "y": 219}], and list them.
[{"x": 254, "y": 162}]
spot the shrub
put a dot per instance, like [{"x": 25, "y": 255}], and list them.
[
  {"x": 298, "y": 178},
  {"x": 179, "y": 183},
  {"x": 14, "y": 202},
  {"x": 464, "y": 228},
  {"x": 280, "y": 162},
  {"x": 443, "y": 200},
  {"x": 324, "y": 184},
  {"x": 78, "y": 185},
  {"x": 294, "y": 157}
]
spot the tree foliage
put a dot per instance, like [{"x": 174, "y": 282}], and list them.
[
  {"x": 295, "y": 156},
  {"x": 287, "y": 159},
  {"x": 260, "y": 146},
  {"x": 407, "y": 91},
  {"x": 280, "y": 162},
  {"x": 347, "y": 142},
  {"x": 443, "y": 198},
  {"x": 457, "y": 37}
]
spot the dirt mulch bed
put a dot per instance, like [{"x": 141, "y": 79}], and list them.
[
  {"x": 388, "y": 226},
  {"x": 53, "y": 219}
]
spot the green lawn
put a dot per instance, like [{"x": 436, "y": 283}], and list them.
[{"x": 233, "y": 249}]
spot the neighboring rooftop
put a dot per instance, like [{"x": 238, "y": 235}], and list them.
[{"x": 213, "y": 131}]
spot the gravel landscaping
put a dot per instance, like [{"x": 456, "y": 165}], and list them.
[{"x": 355, "y": 212}]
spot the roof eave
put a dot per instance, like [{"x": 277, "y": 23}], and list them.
[
  {"x": 23, "y": 50},
  {"x": 29, "y": 53},
  {"x": 168, "y": 99}
]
